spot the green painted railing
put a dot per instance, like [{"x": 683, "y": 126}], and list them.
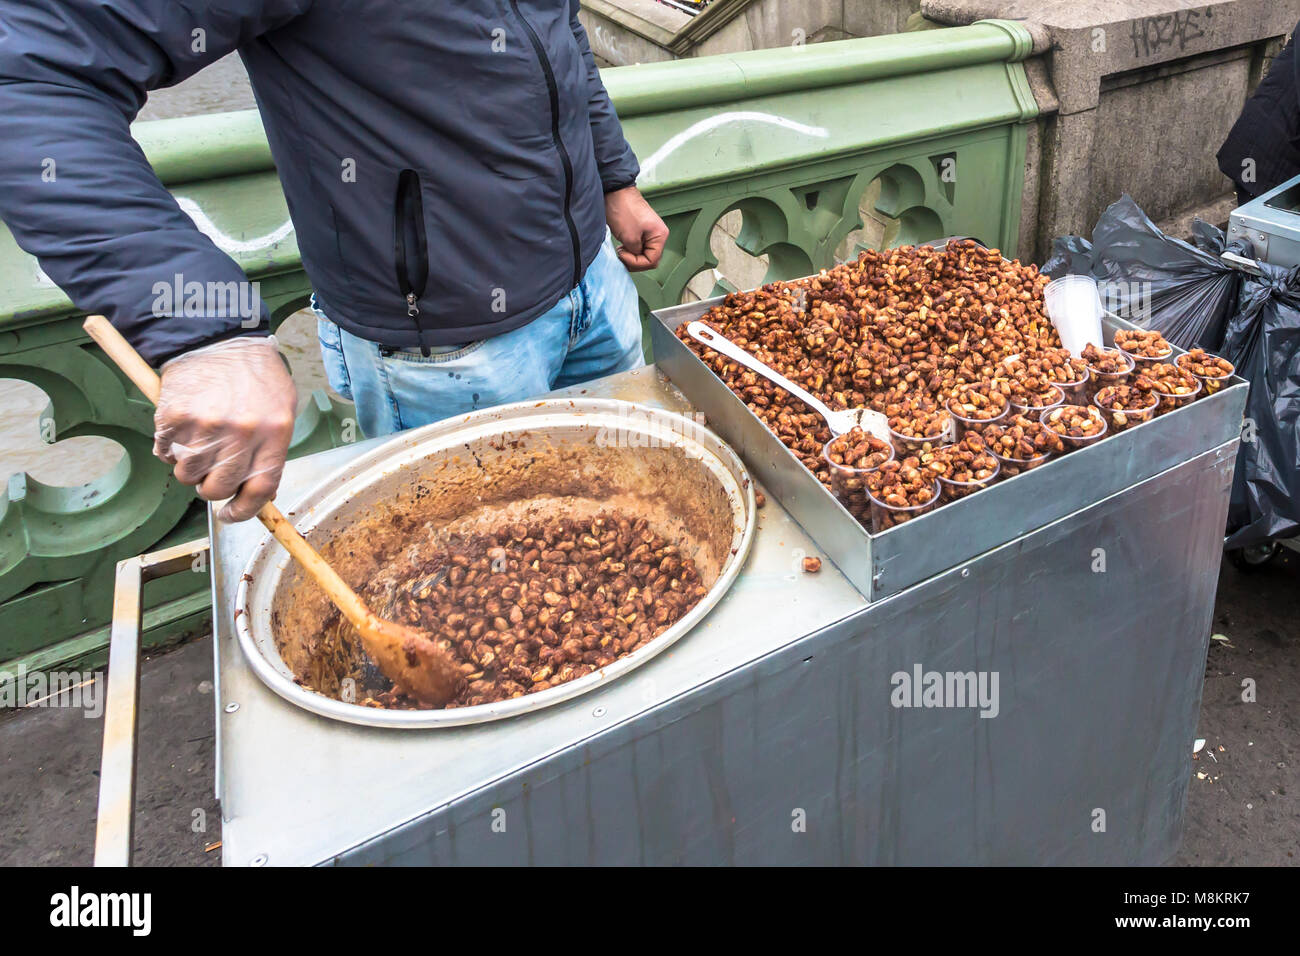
[{"x": 932, "y": 125}]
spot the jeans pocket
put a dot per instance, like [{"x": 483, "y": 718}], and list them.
[
  {"x": 330, "y": 337},
  {"x": 414, "y": 356}
]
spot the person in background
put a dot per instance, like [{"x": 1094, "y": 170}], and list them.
[
  {"x": 1262, "y": 150},
  {"x": 455, "y": 174}
]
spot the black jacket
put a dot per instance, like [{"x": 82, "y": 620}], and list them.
[
  {"x": 1266, "y": 137},
  {"x": 445, "y": 163}
]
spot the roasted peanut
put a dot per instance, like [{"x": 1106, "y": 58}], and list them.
[{"x": 1172, "y": 385}]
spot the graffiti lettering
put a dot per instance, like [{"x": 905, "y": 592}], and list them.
[{"x": 1150, "y": 35}]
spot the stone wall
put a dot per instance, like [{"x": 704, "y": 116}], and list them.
[
  {"x": 1135, "y": 95},
  {"x": 624, "y": 32}
]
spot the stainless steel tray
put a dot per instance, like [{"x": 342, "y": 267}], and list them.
[{"x": 879, "y": 565}]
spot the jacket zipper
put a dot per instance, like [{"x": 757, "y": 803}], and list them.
[
  {"x": 411, "y": 250},
  {"x": 553, "y": 91}
]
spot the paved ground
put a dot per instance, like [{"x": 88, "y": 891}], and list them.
[
  {"x": 49, "y": 772},
  {"x": 1246, "y": 807}
]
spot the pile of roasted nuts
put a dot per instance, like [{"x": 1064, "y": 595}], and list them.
[
  {"x": 964, "y": 467},
  {"x": 943, "y": 342},
  {"x": 1210, "y": 370},
  {"x": 1126, "y": 405},
  {"x": 900, "y": 491},
  {"x": 532, "y": 606},
  {"x": 1077, "y": 425},
  {"x": 1020, "y": 443},
  {"x": 972, "y": 406},
  {"x": 1143, "y": 344},
  {"x": 1172, "y": 385}
]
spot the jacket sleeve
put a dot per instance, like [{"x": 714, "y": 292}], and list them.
[
  {"x": 76, "y": 190},
  {"x": 614, "y": 157}
]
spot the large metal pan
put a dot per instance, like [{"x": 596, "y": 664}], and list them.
[{"x": 566, "y": 457}]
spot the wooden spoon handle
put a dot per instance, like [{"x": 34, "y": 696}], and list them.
[{"x": 107, "y": 337}]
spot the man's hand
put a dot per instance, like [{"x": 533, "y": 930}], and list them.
[
  {"x": 224, "y": 419},
  {"x": 637, "y": 226}
]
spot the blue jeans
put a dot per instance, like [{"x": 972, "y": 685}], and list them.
[{"x": 593, "y": 331}]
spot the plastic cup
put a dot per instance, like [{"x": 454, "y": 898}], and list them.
[
  {"x": 961, "y": 424},
  {"x": 1075, "y": 393},
  {"x": 1074, "y": 306},
  {"x": 1099, "y": 380},
  {"x": 1035, "y": 412},
  {"x": 908, "y": 445},
  {"x": 1010, "y": 467},
  {"x": 1072, "y": 443},
  {"x": 1122, "y": 420},
  {"x": 884, "y": 517},
  {"x": 1141, "y": 361},
  {"x": 849, "y": 485},
  {"x": 950, "y": 490},
  {"x": 1169, "y": 401},
  {"x": 1209, "y": 383}
]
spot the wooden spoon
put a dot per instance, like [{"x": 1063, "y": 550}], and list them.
[{"x": 407, "y": 656}]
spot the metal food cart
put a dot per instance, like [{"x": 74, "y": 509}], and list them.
[{"x": 775, "y": 732}]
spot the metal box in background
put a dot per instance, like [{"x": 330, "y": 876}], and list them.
[{"x": 1271, "y": 224}]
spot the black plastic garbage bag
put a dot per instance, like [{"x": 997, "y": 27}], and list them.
[
  {"x": 1155, "y": 280},
  {"x": 1071, "y": 256},
  {"x": 1263, "y": 341}
]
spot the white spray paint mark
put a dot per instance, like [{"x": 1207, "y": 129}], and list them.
[
  {"x": 229, "y": 244},
  {"x": 676, "y": 142}
]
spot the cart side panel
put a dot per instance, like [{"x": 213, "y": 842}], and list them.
[{"x": 1097, "y": 627}]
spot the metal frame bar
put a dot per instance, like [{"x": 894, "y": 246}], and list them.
[{"x": 115, "y": 821}]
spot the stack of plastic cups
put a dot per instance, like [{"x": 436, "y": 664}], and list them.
[{"x": 1074, "y": 307}]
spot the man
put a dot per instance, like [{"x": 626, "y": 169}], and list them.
[
  {"x": 1262, "y": 150},
  {"x": 450, "y": 169}
]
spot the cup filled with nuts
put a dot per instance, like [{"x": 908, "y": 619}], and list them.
[
  {"x": 851, "y": 458},
  {"x": 974, "y": 406},
  {"x": 1106, "y": 367},
  {"x": 1050, "y": 365},
  {"x": 914, "y": 430},
  {"x": 1078, "y": 425},
  {"x": 1173, "y": 386},
  {"x": 1032, "y": 396},
  {"x": 963, "y": 468},
  {"x": 1021, "y": 443},
  {"x": 1213, "y": 371},
  {"x": 1146, "y": 347},
  {"x": 900, "y": 491},
  {"x": 1126, "y": 405}
]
